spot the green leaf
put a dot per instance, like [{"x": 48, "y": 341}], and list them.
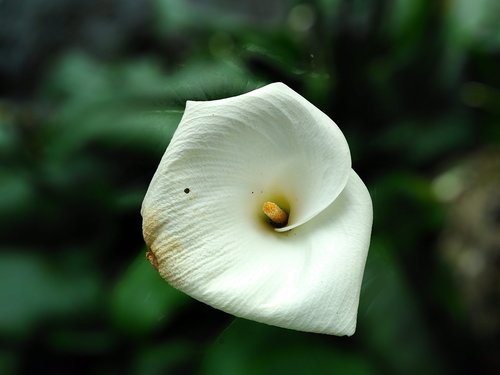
[
  {"x": 247, "y": 347},
  {"x": 134, "y": 105},
  {"x": 167, "y": 358},
  {"x": 31, "y": 291},
  {"x": 389, "y": 320},
  {"x": 142, "y": 301}
]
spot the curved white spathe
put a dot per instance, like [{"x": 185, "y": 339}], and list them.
[{"x": 203, "y": 222}]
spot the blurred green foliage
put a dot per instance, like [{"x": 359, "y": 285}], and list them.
[{"x": 91, "y": 94}]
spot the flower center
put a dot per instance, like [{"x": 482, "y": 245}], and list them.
[{"x": 275, "y": 213}]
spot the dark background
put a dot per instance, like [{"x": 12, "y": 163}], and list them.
[{"x": 90, "y": 94}]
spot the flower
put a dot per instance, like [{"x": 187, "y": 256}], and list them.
[{"x": 255, "y": 210}]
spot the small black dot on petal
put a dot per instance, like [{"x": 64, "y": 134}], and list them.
[{"x": 186, "y": 190}]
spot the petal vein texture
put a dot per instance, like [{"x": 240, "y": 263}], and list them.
[{"x": 203, "y": 219}]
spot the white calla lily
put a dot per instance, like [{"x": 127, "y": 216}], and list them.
[{"x": 299, "y": 267}]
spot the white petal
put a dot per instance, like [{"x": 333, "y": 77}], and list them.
[
  {"x": 307, "y": 279},
  {"x": 271, "y": 142},
  {"x": 201, "y": 212}
]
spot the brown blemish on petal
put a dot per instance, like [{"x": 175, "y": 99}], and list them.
[
  {"x": 150, "y": 226},
  {"x": 169, "y": 253},
  {"x": 165, "y": 251},
  {"x": 164, "y": 255},
  {"x": 152, "y": 259}
]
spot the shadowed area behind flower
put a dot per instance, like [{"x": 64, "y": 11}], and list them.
[{"x": 91, "y": 93}]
